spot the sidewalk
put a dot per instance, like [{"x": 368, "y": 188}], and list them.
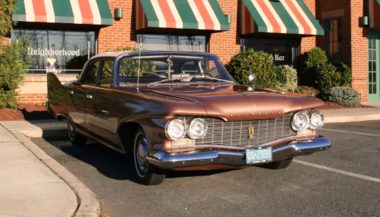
[
  {"x": 33, "y": 184},
  {"x": 353, "y": 114}
]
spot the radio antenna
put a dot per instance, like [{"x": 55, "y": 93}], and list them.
[{"x": 140, "y": 47}]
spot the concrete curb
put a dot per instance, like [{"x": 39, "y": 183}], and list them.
[
  {"x": 88, "y": 204},
  {"x": 346, "y": 119}
]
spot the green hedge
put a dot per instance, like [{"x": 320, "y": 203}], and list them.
[
  {"x": 267, "y": 73},
  {"x": 342, "y": 95}
]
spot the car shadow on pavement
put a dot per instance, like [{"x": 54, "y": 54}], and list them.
[{"x": 111, "y": 163}]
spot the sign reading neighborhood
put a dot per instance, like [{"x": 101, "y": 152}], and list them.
[{"x": 51, "y": 52}]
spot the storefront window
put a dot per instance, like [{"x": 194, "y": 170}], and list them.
[
  {"x": 284, "y": 51},
  {"x": 57, "y": 51},
  {"x": 173, "y": 42},
  {"x": 333, "y": 37}
]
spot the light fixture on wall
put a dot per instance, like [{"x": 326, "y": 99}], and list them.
[
  {"x": 363, "y": 21},
  {"x": 228, "y": 17},
  {"x": 118, "y": 13}
]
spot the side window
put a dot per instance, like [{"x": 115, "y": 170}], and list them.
[
  {"x": 106, "y": 73},
  {"x": 90, "y": 76}
]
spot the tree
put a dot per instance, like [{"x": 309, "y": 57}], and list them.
[
  {"x": 12, "y": 68},
  {"x": 6, "y": 11}
]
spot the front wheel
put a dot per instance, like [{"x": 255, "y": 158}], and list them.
[
  {"x": 278, "y": 164},
  {"x": 145, "y": 172},
  {"x": 74, "y": 137}
]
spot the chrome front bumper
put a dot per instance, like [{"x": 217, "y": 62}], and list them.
[{"x": 236, "y": 158}]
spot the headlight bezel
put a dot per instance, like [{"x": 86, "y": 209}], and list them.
[
  {"x": 193, "y": 122},
  {"x": 318, "y": 114},
  {"x": 169, "y": 125},
  {"x": 298, "y": 115}
]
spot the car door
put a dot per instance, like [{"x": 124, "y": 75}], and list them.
[
  {"x": 103, "y": 123},
  {"x": 81, "y": 97}
]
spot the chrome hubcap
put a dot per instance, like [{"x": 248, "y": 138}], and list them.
[
  {"x": 141, "y": 153},
  {"x": 70, "y": 130}
]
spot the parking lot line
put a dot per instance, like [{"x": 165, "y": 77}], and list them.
[
  {"x": 342, "y": 172},
  {"x": 351, "y": 132}
]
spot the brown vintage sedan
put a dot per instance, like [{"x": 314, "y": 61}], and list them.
[{"x": 183, "y": 111}]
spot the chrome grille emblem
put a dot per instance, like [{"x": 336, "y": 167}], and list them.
[{"x": 251, "y": 133}]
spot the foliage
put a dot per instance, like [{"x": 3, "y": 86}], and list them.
[
  {"x": 257, "y": 62},
  {"x": 6, "y": 11},
  {"x": 12, "y": 71},
  {"x": 130, "y": 67},
  {"x": 342, "y": 95},
  {"x": 327, "y": 77},
  {"x": 307, "y": 90},
  {"x": 315, "y": 57},
  {"x": 287, "y": 78},
  {"x": 321, "y": 74},
  {"x": 345, "y": 73}
]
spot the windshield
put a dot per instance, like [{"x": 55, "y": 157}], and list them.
[{"x": 159, "y": 70}]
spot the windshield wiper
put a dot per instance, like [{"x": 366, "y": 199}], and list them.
[{"x": 211, "y": 78}]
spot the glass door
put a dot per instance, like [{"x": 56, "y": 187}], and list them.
[{"x": 374, "y": 68}]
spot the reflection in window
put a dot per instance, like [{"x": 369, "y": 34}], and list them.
[
  {"x": 106, "y": 73},
  {"x": 91, "y": 74},
  {"x": 69, "y": 49},
  {"x": 284, "y": 51},
  {"x": 333, "y": 39},
  {"x": 173, "y": 42}
]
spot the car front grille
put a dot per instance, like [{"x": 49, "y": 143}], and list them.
[{"x": 237, "y": 133}]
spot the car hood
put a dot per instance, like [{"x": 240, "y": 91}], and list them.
[{"x": 234, "y": 102}]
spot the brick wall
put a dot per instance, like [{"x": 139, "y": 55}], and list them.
[
  {"x": 354, "y": 40},
  {"x": 120, "y": 34},
  {"x": 226, "y": 44},
  {"x": 308, "y": 43}
]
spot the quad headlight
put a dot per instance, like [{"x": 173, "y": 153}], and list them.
[
  {"x": 197, "y": 128},
  {"x": 300, "y": 121},
  {"x": 316, "y": 120},
  {"x": 176, "y": 129},
  {"x": 303, "y": 120}
]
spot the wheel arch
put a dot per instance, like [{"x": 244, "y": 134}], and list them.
[{"x": 126, "y": 132}]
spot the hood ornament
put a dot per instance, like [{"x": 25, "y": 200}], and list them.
[{"x": 251, "y": 82}]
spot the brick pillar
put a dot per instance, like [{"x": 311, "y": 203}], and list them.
[
  {"x": 226, "y": 44},
  {"x": 359, "y": 51},
  {"x": 307, "y": 43}
]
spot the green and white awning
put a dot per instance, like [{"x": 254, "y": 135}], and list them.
[
  {"x": 374, "y": 14},
  {"x": 93, "y": 12},
  {"x": 278, "y": 16},
  {"x": 180, "y": 14}
]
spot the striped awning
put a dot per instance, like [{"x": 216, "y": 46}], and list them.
[
  {"x": 180, "y": 14},
  {"x": 278, "y": 16},
  {"x": 93, "y": 12},
  {"x": 374, "y": 14}
]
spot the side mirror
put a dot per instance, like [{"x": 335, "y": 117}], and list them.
[{"x": 251, "y": 82}]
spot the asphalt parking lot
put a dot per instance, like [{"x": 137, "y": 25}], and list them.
[{"x": 343, "y": 181}]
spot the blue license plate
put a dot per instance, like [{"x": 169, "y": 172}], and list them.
[{"x": 258, "y": 155}]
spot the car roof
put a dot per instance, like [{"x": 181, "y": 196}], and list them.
[{"x": 145, "y": 52}]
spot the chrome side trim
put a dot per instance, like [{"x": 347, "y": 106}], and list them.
[{"x": 236, "y": 158}]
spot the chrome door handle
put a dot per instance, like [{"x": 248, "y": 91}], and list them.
[
  {"x": 89, "y": 96},
  {"x": 105, "y": 112}
]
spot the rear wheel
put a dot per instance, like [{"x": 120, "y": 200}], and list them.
[
  {"x": 146, "y": 173},
  {"x": 278, "y": 164},
  {"x": 74, "y": 137}
]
